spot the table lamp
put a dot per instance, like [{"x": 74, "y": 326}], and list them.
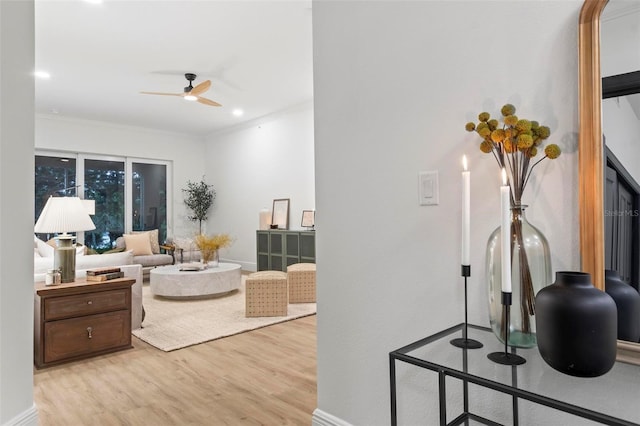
[{"x": 62, "y": 215}]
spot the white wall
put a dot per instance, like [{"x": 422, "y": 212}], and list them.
[
  {"x": 251, "y": 166},
  {"x": 619, "y": 38},
  {"x": 16, "y": 203},
  {"x": 394, "y": 84},
  {"x": 185, "y": 151},
  {"x": 621, "y": 128}
]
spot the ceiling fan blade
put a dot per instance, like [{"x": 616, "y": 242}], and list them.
[
  {"x": 207, "y": 101},
  {"x": 161, "y": 93},
  {"x": 201, "y": 88}
]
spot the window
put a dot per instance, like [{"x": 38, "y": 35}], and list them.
[
  {"x": 130, "y": 194},
  {"x": 104, "y": 183},
  {"x": 54, "y": 176},
  {"x": 149, "y": 198}
]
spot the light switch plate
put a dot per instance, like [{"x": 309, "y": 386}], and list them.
[{"x": 428, "y": 188}]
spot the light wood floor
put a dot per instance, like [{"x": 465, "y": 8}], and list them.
[{"x": 262, "y": 377}]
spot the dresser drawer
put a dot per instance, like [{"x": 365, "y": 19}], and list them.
[
  {"x": 84, "y": 304},
  {"x": 79, "y": 336}
]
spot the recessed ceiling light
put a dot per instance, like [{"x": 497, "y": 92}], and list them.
[
  {"x": 237, "y": 112},
  {"x": 190, "y": 98},
  {"x": 42, "y": 74},
  {"x": 93, "y": 1}
]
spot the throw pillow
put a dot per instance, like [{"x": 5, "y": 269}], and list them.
[
  {"x": 44, "y": 249},
  {"x": 138, "y": 243},
  {"x": 35, "y": 253},
  {"x": 153, "y": 239}
]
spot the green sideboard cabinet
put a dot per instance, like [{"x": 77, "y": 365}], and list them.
[{"x": 278, "y": 248}]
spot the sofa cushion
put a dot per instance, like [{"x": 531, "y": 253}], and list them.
[
  {"x": 138, "y": 243},
  {"x": 153, "y": 260}
]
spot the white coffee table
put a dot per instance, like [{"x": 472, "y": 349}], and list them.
[{"x": 170, "y": 281}]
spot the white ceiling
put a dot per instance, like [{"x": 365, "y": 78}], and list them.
[{"x": 257, "y": 55}]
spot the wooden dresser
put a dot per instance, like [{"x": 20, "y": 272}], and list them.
[{"x": 81, "y": 319}]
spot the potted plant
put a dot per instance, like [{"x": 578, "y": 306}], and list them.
[{"x": 199, "y": 198}]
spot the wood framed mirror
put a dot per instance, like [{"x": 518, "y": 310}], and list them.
[{"x": 591, "y": 156}]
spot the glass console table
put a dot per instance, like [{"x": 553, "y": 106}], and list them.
[{"x": 612, "y": 399}]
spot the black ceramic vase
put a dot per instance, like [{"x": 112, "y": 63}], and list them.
[
  {"x": 576, "y": 326},
  {"x": 628, "y": 302}
]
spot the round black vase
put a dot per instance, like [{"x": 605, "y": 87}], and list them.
[
  {"x": 628, "y": 302},
  {"x": 576, "y": 326}
]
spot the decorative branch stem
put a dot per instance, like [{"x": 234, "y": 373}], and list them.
[{"x": 527, "y": 296}]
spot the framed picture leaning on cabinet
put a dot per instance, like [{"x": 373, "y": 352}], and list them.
[
  {"x": 308, "y": 218},
  {"x": 280, "y": 213}
]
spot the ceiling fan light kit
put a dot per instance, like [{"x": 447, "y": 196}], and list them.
[{"x": 191, "y": 93}]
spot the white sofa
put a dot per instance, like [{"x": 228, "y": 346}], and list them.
[{"x": 41, "y": 264}]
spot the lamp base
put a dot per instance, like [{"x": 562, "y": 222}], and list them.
[{"x": 64, "y": 258}]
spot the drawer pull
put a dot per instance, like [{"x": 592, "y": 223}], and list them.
[
  {"x": 90, "y": 302},
  {"x": 89, "y": 330}
]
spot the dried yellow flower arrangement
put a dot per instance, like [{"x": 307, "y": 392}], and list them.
[{"x": 209, "y": 246}]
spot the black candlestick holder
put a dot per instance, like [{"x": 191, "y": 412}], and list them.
[
  {"x": 506, "y": 358},
  {"x": 465, "y": 342}
]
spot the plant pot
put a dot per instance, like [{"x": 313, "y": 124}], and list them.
[
  {"x": 576, "y": 326},
  {"x": 628, "y": 303}
]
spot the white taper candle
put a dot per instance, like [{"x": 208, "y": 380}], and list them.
[
  {"x": 466, "y": 213},
  {"x": 505, "y": 232}
]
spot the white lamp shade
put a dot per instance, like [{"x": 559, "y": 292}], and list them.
[{"x": 64, "y": 214}]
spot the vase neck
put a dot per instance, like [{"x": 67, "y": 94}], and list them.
[
  {"x": 517, "y": 212},
  {"x": 571, "y": 278},
  {"x": 610, "y": 274}
]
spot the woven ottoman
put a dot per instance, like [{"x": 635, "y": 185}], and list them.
[
  {"x": 266, "y": 294},
  {"x": 301, "y": 278}
]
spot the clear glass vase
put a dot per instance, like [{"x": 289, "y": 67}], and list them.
[
  {"x": 215, "y": 260},
  {"x": 530, "y": 272},
  {"x": 209, "y": 257}
]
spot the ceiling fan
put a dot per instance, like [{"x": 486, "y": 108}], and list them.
[{"x": 191, "y": 93}]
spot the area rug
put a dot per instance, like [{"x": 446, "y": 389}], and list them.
[{"x": 172, "y": 324}]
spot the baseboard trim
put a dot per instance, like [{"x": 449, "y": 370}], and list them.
[
  {"x": 322, "y": 418},
  {"x": 246, "y": 266},
  {"x": 26, "y": 418}
]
